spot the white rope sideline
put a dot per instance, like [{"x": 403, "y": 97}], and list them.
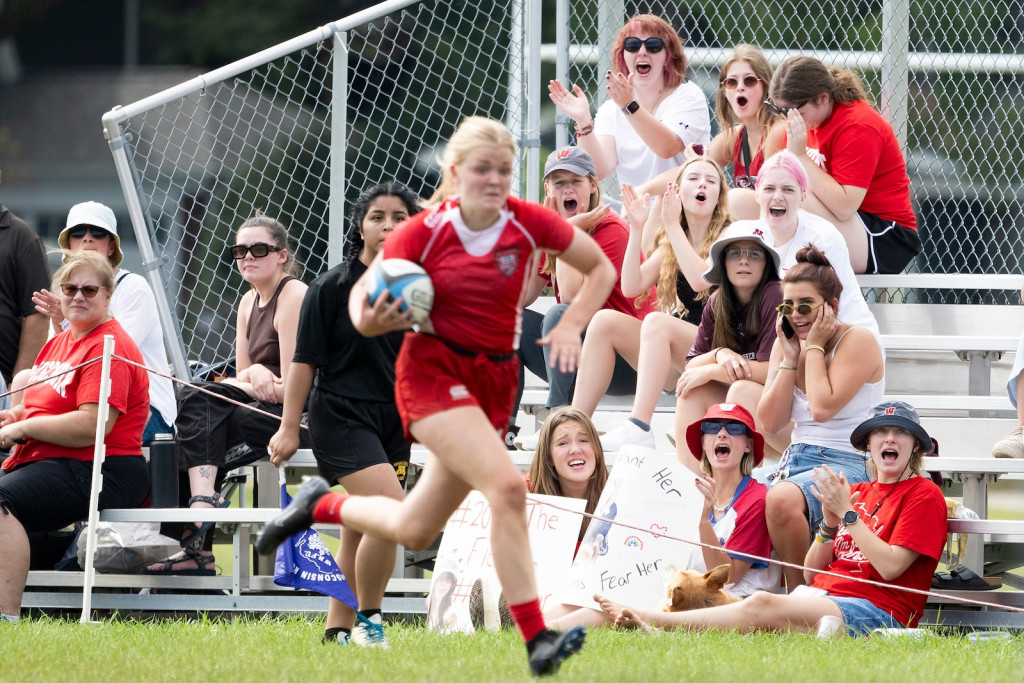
[
  {"x": 871, "y": 582},
  {"x": 97, "y": 484}
]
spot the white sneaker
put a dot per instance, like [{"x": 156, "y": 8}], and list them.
[
  {"x": 626, "y": 433},
  {"x": 528, "y": 442},
  {"x": 369, "y": 632},
  {"x": 1011, "y": 446}
]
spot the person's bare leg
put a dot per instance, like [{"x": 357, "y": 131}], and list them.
[
  {"x": 851, "y": 229},
  {"x": 761, "y": 611},
  {"x": 743, "y": 204},
  {"x": 747, "y": 394},
  {"x": 14, "y": 563},
  {"x": 609, "y": 332},
  {"x": 472, "y": 456},
  {"x": 366, "y": 562},
  {"x": 786, "y": 514},
  {"x": 664, "y": 343}
]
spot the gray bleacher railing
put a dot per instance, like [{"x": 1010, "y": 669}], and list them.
[{"x": 299, "y": 129}]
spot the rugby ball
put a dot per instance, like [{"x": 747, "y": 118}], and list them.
[{"x": 400, "y": 278}]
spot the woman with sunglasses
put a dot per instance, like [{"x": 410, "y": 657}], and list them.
[
  {"x": 652, "y": 113},
  {"x": 215, "y": 436},
  {"x": 456, "y": 378},
  {"x": 858, "y": 174},
  {"x": 45, "y": 484},
  {"x": 91, "y": 226},
  {"x": 824, "y": 375}
]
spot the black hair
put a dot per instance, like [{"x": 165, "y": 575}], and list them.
[{"x": 362, "y": 206}]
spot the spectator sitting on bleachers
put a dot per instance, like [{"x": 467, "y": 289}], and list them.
[
  {"x": 215, "y": 436},
  {"x": 652, "y": 112},
  {"x": 45, "y": 484},
  {"x": 750, "y": 131},
  {"x": 92, "y": 226},
  {"x": 728, "y": 362},
  {"x": 692, "y": 216},
  {"x": 824, "y": 375},
  {"x": 858, "y": 174},
  {"x": 890, "y": 531},
  {"x": 1012, "y": 446},
  {"x": 571, "y": 189}
]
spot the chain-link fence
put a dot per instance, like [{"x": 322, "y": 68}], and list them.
[{"x": 271, "y": 132}]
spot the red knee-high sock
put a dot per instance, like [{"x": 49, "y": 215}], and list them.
[
  {"x": 528, "y": 618},
  {"x": 328, "y": 509}
]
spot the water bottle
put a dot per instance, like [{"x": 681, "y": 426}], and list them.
[{"x": 163, "y": 471}]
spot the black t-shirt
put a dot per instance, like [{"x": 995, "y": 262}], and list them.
[
  {"x": 348, "y": 364},
  {"x": 23, "y": 270}
]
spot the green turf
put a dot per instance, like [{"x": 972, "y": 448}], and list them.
[{"x": 48, "y": 649}]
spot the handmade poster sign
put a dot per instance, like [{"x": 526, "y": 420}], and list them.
[
  {"x": 656, "y": 496},
  {"x": 465, "y": 556}
]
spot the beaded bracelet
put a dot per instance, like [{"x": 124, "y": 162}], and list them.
[
  {"x": 815, "y": 347},
  {"x": 824, "y": 539},
  {"x": 829, "y": 530},
  {"x": 584, "y": 131}
]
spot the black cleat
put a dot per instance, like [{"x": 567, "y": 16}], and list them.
[
  {"x": 550, "y": 648},
  {"x": 294, "y": 518}
]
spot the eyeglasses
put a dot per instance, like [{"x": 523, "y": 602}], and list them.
[
  {"x": 80, "y": 232},
  {"x": 802, "y": 309},
  {"x": 753, "y": 253},
  {"x": 749, "y": 81},
  {"x": 734, "y": 428},
  {"x": 258, "y": 250},
  {"x": 653, "y": 45},
  {"x": 88, "y": 291}
]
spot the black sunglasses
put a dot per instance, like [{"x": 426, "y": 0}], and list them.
[
  {"x": 88, "y": 291},
  {"x": 80, "y": 232},
  {"x": 258, "y": 250},
  {"x": 712, "y": 427},
  {"x": 780, "y": 111},
  {"x": 749, "y": 81},
  {"x": 653, "y": 45},
  {"x": 802, "y": 309}
]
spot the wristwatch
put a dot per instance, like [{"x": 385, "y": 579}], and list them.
[
  {"x": 631, "y": 108},
  {"x": 850, "y": 518}
]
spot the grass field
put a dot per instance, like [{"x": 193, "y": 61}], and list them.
[{"x": 47, "y": 649}]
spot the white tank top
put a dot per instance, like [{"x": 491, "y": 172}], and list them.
[{"x": 836, "y": 432}]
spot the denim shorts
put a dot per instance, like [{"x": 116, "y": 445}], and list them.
[
  {"x": 799, "y": 461},
  {"x": 862, "y": 617}
]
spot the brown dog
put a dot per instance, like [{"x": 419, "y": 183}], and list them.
[{"x": 686, "y": 589}]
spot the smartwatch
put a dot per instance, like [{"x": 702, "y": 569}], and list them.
[
  {"x": 851, "y": 517},
  {"x": 631, "y": 108}
]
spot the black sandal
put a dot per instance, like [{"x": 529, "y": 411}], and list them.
[
  {"x": 963, "y": 579},
  {"x": 193, "y": 536},
  {"x": 190, "y": 554}
]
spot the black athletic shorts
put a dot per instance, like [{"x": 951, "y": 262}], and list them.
[
  {"x": 46, "y": 495},
  {"x": 891, "y": 246},
  {"x": 350, "y": 435}
]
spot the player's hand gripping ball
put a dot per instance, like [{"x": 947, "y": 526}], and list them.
[{"x": 400, "y": 278}]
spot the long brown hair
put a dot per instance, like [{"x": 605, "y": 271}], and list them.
[
  {"x": 668, "y": 274},
  {"x": 752, "y": 55},
  {"x": 543, "y": 478},
  {"x": 726, "y": 305}
]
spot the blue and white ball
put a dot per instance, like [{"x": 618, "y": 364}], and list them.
[{"x": 401, "y": 278}]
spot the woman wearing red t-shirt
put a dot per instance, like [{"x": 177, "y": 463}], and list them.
[
  {"x": 889, "y": 531},
  {"x": 857, "y": 171},
  {"x": 45, "y": 483},
  {"x": 456, "y": 378}
]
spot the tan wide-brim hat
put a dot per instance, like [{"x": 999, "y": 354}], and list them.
[{"x": 94, "y": 215}]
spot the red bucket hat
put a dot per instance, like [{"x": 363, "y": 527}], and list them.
[{"x": 725, "y": 411}]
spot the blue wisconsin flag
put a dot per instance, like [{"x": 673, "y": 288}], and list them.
[{"x": 305, "y": 563}]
